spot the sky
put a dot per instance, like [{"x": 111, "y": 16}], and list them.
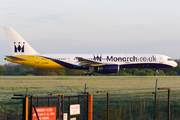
[{"x": 94, "y": 26}]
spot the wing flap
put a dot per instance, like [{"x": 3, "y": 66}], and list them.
[{"x": 86, "y": 62}]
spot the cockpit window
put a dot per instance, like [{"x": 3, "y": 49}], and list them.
[{"x": 169, "y": 59}]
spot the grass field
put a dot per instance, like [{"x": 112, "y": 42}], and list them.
[
  {"x": 60, "y": 84},
  {"x": 73, "y": 84}
]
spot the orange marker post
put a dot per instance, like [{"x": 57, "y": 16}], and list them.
[
  {"x": 25, "y": 108},
  {"x": 90, "y": 107}
]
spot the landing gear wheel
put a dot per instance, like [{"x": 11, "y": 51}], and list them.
[
  {"x": 157, "y": 72},
  {"x": 89, "y": 74}
]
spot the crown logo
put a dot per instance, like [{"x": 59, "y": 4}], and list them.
[{"x": 18, "y": 48}]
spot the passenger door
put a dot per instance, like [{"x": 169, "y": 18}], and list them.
[
  {"x": 161, "y": 60},
  {"x": 36, "y": 59}
]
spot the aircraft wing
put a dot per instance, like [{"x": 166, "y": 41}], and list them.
[
  {"x": 86, "y": 62},
  {"x": 17, "y": 58}
]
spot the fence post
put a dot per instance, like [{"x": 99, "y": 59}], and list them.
[
  {"x": 87, "y": 105},
  {"x": 107, "y": 101},
  {"x": 168, "y": 100},
  {"x": 69, "y": 108},
  {"x": 78, "y": 103},
  {"x": 37, "y": 102},
  {"x": 48, "y": 102},
  {"x": 59, "y": 107},
  {"x": 169, "y": 104},
  {"x": 155, "y": 99},
  {"x": 90, "y": 107},
  {"x": 107, "y": 105},
  {"x": 25, "y": 108},
  {"x": 84, "y": 108},
  {"x": 62, "y": 107},
  {"x": 31, "y": 108}
]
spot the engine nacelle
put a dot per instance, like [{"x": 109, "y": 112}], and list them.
[{"x": 108, "y": 69}]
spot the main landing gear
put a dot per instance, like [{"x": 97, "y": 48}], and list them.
[
  {"x": 90, "y": 71},
  {"x": 157, "y": 72},
  {"x": 89, "y": 74}
]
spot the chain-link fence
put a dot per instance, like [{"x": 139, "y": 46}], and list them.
[
  {"x": 60, "y": 102},
  {"x": 132, "y": 104},
  {"x": 137, "y": 105}
]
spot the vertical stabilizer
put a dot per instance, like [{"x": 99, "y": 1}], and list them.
[{"x": 18, "y": 45}]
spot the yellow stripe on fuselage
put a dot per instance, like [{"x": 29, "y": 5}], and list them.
[{"x": 37, "y": 61}]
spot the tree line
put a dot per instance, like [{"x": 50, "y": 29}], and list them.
[{"x": 14, "y": 69}]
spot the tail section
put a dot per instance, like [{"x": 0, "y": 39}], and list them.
[{"x": 18, "y": 45}]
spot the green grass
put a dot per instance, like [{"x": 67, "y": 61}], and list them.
[
  {"x": 100, "y": 81},
  {"x": 121, "y": 89}
]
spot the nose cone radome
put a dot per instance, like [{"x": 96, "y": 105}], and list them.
[{"x": 175, "y": 64}]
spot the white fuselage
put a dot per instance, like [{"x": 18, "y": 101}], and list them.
[{"x": 103, "y": 63}]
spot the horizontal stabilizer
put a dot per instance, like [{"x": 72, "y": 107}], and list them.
[{"x": 17, "y": 58}]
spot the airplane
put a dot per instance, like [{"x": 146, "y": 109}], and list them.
[{"x": 101, "y": 63}]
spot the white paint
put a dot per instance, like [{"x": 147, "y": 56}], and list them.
[
  {"x": 65, "y": 116},
  {"x": 75, "y": 109}
]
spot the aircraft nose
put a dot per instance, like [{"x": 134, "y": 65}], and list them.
[{"x": 175, "y": 64}]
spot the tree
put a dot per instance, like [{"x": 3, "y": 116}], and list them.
[{"x": 2, "y": 70}]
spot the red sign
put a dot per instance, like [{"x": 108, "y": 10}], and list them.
[{"x": 45, "y": 113}]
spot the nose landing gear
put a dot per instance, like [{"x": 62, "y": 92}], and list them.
[{"x": 157, "y": 72}]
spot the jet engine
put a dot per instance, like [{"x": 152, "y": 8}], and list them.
[{"x": 107, "y": 69}]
